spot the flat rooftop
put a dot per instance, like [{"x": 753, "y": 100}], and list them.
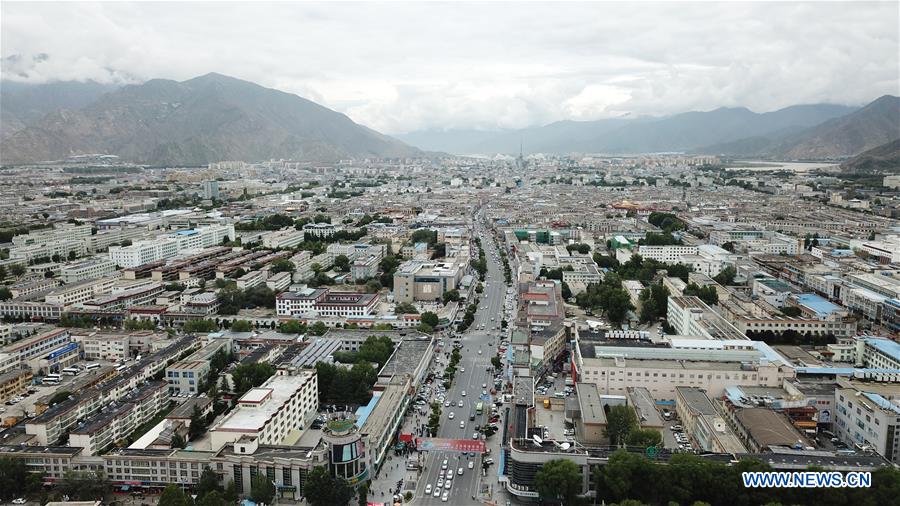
[
  {"x": 645, "y": 405},
  {"x": 696, "y": 400},
  {"x": 590, "y": 404},
  {"x": 407, "y": 356},
  {"x": 247, "y": 418},
  {"x": 769, "y": 428}
]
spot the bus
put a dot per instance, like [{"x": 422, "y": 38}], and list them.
[
  {"x": 51, "y": 379},
  {"x": 479, "y": 408},
  {"x": 91, "y": 366},
  {"x": 71, "y": 371}
]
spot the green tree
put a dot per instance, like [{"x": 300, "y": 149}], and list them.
[
  {"x": 559, "y": 479},
  {"x": 495, "y": 361},
  {"x": 177, "y": 441},
  {"x": 282, "y": 265},
  {"x": 262, "y": 490},
  {"x": 726, "y": 276},
  {"x": 241, "y": 326},
  {"x": 209, "y": 482},
  {"x": 84, "y": 486},
  {"x": 451, "y": 296},
  {"x": 17, "y": 270},
  {"x": 292, "y": 327},
  {"x": 198, "y": 424},
  {"x": 317, "y": 329},
  {"x": 373, "y": 286},
  {"x": 214, "y": 498},
  {"x": 430, "y": 318},
  {"x": 405, "y": 308},
  {"x": 230, "y": 494},
  {"x": 620, "y": 421},
  {"x": 199, "y": 326},
  {"x": 342, "y": 263},
  {"x": 16, "y": 480},
  {"x": 643, "y": 437},
  {"x": 247, "y": 376},
  {"x": 323, "y": 489},
  {"x": 173, "y": 496},
  {"x": 5, "y": 294}
]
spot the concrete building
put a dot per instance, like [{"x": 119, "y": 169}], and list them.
[
  {"x": 690, "y": 316},
  {"x": 417, "y": 280},
  {"x": 323, "y": 302},
  {"x": 867, "y": 416},
  {"x": 704, "y": 423},
  {"x": 87, "y": 269},
  {"x": 286, "y": 238},
  {"x": 281, "y": 405},
  {"x": 169, "y": 245}
]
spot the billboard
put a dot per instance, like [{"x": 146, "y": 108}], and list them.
[{"x": 449, "y": 445}]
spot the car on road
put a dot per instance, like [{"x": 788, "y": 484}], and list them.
[
  {"x": 463, "y": 393},
  {"x": 474, "y": 435},
  {"x": 445, "y": 497},
  {"x": 444, "y": 464},
  {"x": 462, "y": 369},
  {"x": 446, "y": 404},
  {"x": 471, "y": 465},
  {"x": 488, "y": 461},
  {"x": 479, "y": 352},
  {"x": 20, "y": 500},
  {"x": 437, "y": 490},
  {"x": 451, "y": 415},
  {"x": 462, "y": 424},
  {"x": 428, "y": 489},
  {"x": 484, "y": 385},
  {"x": 459, "y": 471},
  {"x": 459, "y": 404}
]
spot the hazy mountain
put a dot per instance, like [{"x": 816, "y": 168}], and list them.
[
  {"x": 208, "y": 118},
  {"x": 23, "y": 104},
  {"x": 884, "y": 158},
  {"x": 874, "y": 125},
  {"x": 690, "y": 131}
]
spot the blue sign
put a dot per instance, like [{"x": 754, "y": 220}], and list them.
[{"x": 69, "y": 348}]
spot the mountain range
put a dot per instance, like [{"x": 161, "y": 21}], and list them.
[
  {"x": 215, "y": 117},
  {"x": 194, "y": 122},
  {"x": 817, "y": 131}
]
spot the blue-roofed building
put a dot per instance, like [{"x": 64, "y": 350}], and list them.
[
  {"x": 867, "y": 417},
  {"x": 880, "y": 353},
  {"x": 813, "y": 305}
]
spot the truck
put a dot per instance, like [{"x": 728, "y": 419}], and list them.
[{"x": 569, "y": 382}]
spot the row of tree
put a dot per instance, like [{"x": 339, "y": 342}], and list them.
[
  {"x": 608, "y": 296},
  {"x": 341, "y": 385}
]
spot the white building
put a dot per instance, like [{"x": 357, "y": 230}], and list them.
[
  {"x": 287, "y": 238},
  {"x": 283, "y": 404},
  {"x": 867, "y": 416},
  {"x": 87, "y": 269},
  {"x": 169, "y": 245}
]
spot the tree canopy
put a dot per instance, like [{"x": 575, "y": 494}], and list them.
[
  {"x": 559, "y": 479},
  {"x": 323, "y": 489}
]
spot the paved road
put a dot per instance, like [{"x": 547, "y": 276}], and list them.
[{"x": 485, "y": 329}]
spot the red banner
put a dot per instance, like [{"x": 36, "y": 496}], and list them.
[
  {"x": 449, "y": 445},
  {"x": 406, "y": 438}
]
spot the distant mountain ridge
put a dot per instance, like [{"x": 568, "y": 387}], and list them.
[
  {"x": 194, "y": 122},
  {"x": 22, "y": 105},
  {"x": 785, "y": 134},
  {"x": 880, "y": 159}
]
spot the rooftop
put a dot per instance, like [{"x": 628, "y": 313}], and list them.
[{"x": 279, "y": 388}]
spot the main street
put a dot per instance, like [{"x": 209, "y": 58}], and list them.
[{"x": 474, "y": 376}]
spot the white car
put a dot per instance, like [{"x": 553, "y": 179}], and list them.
[
  {"x": 462, "y": 424},
  {"x": 448, "y": 484},
  {"x": 444, "y": 464},
  {"x": 474, "y": 435},
  {"x": 445, "y": 497},
  {"x": 451, "y": 415},
  {"x": 459, "y": 404},
  {"x": 20, "y": 500},
  {"x": 471, "y": 465},
  {"x": 437, "y": 489},
  {"x": 463, "y": 393},
  {"x": 459, "y": 471},
  {"x": 484, "y": 385},
  {"x": 462, "y": 369},
  {"x": 479, "y": 352},
  {"x": 428, "y": 489}
]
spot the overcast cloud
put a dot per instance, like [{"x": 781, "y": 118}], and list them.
[{"x": 404, "y": 67}]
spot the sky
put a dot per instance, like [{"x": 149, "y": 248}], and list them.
[{"x": 402, "y": 67}]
